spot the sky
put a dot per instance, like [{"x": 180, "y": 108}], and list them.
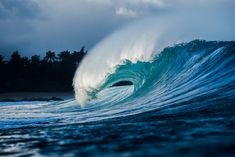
[{"x": 36, "y": 26}]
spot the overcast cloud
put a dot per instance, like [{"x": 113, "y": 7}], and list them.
[{"x": 35, "y": 26}]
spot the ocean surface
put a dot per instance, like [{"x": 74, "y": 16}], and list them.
[{"x": 181, "y": 103}]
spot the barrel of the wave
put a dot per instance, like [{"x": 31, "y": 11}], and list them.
[{"x": 106, "y": 59}]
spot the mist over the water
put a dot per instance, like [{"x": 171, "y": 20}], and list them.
[{"x": 145, "y": 38}]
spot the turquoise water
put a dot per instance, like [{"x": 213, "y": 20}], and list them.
[{"x": 181, "y": 103}]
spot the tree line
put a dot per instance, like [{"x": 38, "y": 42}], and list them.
[{"x": 54, "y": 72}]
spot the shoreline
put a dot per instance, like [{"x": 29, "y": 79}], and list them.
[{"x": 35, "y": 96}]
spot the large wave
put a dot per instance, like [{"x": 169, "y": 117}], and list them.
[
  {"x": 176, "y": 74},
  {"x": 131, "y": 52},
  {"x": 183, "y": 95},
  {"x": 185, "y": 78}
]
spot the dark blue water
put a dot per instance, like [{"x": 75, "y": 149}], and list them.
[{"x": 180, "y": 104}]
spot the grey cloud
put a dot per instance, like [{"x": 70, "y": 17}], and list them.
[
  {"x": 35, "y": 26},
  {"x": 18, "y": 9},
  {"x": 16, "y": 24}
]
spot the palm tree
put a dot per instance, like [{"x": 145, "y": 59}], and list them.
[
  {"x": 25, "y": 61},
  {"x": 65, "y": 56},
  {"x": 35, "y": 59},
  {"x": 15, "y": 58},
  {"x": 50, "y": 56},
  {"x": 78, "y": 55},
  {"x": 1, "y": 59}
]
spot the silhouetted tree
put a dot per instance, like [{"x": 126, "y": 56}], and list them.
[
  {"x": 52, "y": 73},
  {"x": 65, "y": 56},
  {"x": 1, "y": 59},
  {"x": 78, "y": 55},
  {"x": 35, "y": 59},
  {"x": 50, "y": 56},
  {"x": 3, "y": 75},
  {"x": 15, "y": 58},
  {"x": 25, "y": 61},
  {"x": 82, "y": 50}
]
